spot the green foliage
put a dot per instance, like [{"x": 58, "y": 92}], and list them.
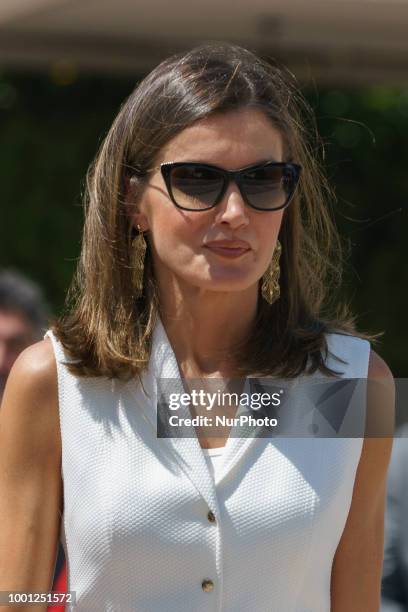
[{"x": 364, "y": 133}]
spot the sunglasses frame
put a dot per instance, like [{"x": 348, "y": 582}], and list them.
[{"x": 228, "y": 176}]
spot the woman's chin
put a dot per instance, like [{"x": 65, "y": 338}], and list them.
[{"x": 230, "y": 285}]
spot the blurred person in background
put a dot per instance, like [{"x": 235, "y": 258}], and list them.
[
  {"x": 24, "y": 317},
  {"x": 395, "y": 566}
]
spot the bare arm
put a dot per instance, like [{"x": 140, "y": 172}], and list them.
[
  {"x": 394, "y": 588},
  {"x": 357, "y": 566},
  {"x": 30, "y": 473}
]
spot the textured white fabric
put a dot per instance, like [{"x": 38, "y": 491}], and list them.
[
  {"x": 214, "y": 457},
  {"x": 135, "y": 526}
]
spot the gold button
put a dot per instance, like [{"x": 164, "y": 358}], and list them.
[
  {"x": 211, "y": 516},
  {"x": 207, "y": 585}
]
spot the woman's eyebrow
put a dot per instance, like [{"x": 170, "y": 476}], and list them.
[{"x": 271, "y": 158}]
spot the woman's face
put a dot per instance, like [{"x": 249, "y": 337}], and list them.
[{"x": 182, "y": 242}]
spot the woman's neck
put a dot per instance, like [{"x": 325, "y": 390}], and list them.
[{"x": 204, "y": 332}]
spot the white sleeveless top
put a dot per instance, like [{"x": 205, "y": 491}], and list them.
[
  {"x": 214, "y": 457},
  {"x": 147, "y": 526}
]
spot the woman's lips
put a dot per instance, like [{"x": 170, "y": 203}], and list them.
[{"x": 224, "y": 251}]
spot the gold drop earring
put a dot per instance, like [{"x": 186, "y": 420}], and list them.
[
  {"x": 137, "y": 257},
  {"x": 270, "y": 280}
]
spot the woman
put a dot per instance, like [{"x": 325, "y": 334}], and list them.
[{"x": 208, "y": 252}]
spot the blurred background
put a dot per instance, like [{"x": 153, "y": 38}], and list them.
[{"x": 66, "y": 66}]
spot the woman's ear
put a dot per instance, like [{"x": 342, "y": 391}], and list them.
[{"x": 131, "y": 203}]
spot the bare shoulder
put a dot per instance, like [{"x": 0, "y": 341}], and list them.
[
  {"x": 30, "y": 401},
  {"x": 380, "y": 424},
  {"x": 34, "y": 373},
  {"x": 378, "y": 368},
  {"x": 380, "y": 401}
]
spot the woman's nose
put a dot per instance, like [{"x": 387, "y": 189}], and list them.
[{"x": 232, "y": 208}]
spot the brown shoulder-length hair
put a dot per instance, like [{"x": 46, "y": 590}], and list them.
[{"x": 104, "y": 328}]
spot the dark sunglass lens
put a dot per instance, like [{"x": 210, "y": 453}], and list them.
[
  {"x": 195, "y": 187},
  {"x": 269, "y": 187}
]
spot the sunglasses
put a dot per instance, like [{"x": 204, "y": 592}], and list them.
[{"x": 197, "y": 187}]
